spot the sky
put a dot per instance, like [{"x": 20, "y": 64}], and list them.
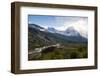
[{"x": 59, "y": 22}]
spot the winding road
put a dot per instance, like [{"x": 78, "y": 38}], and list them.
[{"x": 38, "y": 51}]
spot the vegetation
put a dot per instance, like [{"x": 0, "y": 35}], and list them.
[{"x": 64, "y": 52}]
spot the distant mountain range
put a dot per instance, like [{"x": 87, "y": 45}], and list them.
[
  {"x": 39, "y": 36},
  {"x": 68, "y": 32}
]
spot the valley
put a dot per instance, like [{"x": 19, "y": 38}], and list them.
[{"x": 44, "y": 44}]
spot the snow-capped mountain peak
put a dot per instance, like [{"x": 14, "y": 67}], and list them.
[
  {"x": 80, "y": 29},
  {"x": 71, "y": 31}
]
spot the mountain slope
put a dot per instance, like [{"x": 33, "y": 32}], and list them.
[
  {"x": 52, "y": 30},
  {"x": 37, "y": 38}
]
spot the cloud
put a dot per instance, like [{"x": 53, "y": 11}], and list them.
[{"x": 64, "y": 22}]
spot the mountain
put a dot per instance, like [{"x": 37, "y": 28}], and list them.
[
  {"x": 36, "y": 27},
  {"x": 70, "y": 31},
  {"x": 38, "y": 37}
]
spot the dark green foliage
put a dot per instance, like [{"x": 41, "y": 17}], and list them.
[{"x": 74, "y": 55}]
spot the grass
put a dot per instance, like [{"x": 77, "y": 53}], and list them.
[{"x": 65, "y": 52}]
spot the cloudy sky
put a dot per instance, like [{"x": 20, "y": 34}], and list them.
[{"x": 60, "y": 22}]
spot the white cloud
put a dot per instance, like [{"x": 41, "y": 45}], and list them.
[{"x": 81, "y": 26}]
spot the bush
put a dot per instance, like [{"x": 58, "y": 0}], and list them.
[{"x": 74, "y": 55}]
